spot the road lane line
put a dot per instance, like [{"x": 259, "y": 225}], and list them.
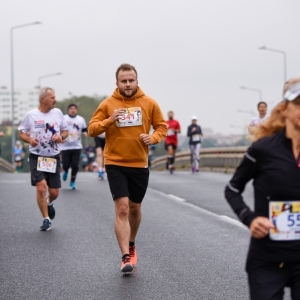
[
  {"x": 205, "y": 211},
  {"x": 176, "y": 198},
  {"x": 233, "y": 221}
]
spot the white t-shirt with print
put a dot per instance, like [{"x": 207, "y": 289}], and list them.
[
  {"x": 43, "y": 127},
  {"x": 75, "y": 126},
  {"x": 257, "y": 120}
]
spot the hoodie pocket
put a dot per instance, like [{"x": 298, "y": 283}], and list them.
[{"x": 129, "y": 150}]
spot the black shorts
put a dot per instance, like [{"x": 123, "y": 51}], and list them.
[
  {"x": 127, "y": 182},
  {"x": 170, "y": 144},
  {"x": 52, "y": 179},
  {"x": 100, "y": 142},
  {"x": 267, "y": 280}
]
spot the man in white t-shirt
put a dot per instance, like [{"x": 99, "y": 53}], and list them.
[
  {"x": 262, "y": 116},
  {"x": 44, "y": 129},
  {"x": 71, "y": 147}
]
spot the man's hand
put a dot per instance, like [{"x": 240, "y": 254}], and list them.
[
  {"x": 34, "y": 142},
  {"x": 57, "y": 139},
  {"x": 146, "y": 138},
  {"x": 118, "y": 114},
  {"x": 260, "y": 226}
]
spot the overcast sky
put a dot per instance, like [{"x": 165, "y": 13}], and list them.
[{"x": 191, "y": 56}]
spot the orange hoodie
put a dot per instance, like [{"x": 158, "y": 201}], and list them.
[{"x": 124, "y": 146}]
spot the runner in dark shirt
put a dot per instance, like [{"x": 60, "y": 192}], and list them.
[{"x": 273, "y": 162}]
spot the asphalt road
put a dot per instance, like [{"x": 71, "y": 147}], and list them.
[{"x": 189, "y": 245}]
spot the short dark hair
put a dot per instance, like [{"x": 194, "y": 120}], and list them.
[
  {"x": 71, "y": 105},
  {"x": 125, "y": 67},
  {"x": 262, "y": 102}
]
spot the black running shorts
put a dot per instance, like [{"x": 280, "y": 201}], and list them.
[
  {"x": 267, "y": 280},
  {"x": 100, "y": 142},
  {"x": 170, "y": 144},
  {"x": 127, "y": 182},
  {"x": 52, "y": 179}
]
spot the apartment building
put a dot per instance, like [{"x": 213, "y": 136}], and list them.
[{"x": 24, "y": 100}]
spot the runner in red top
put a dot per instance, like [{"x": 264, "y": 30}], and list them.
[{"x": 171, "y": 140}]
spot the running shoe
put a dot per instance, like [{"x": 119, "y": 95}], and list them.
[
  {"x": 171, "y": 169},
  {"x": 193, "y": 170},
  {"x": 72, "y": 186},
  {"x": 133, "y": 255},
  {"x": 51, "y": 212},
  {"x": 65, "y": 176},
  {"x": 101, "y": 175},
  {"x": 46, "y": 225},
  {"x": 126, "y": 266}
]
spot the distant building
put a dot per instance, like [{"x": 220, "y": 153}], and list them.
[{"x": 24, "y": 100}]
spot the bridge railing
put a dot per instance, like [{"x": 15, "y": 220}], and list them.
[{"x": 224, "y": 159}]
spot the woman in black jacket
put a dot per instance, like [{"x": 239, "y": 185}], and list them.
[{"x": 273, "y": 162}]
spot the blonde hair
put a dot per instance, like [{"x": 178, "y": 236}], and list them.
[{"x": 276, "y": 121}]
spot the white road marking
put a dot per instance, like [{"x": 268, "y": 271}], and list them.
[
  {"x": 233, "y": 221},
  {"x": 176, "y": 198},
  {"x": 205, "y": 211}
]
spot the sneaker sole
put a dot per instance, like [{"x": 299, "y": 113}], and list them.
[
  {"x": 45, "y": 229},
  {"x": 128, "y": 268}
]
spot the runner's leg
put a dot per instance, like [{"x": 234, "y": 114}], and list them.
[
  {"x": 135, "y": 216},
  {"x": 122, "y": 226},
  {"x": 66, "y": 160},
  {"x": 41, "y": 189},
  {"x": 75, "y": 156},
  {"x": 197, "y": 155}
]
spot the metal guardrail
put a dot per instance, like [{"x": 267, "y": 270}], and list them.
[
  {"x": 224, "y": 159},
  {"x": 5, "y": 166}
]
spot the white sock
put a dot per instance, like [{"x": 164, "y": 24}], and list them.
[
  {"x": 49, "y": 204},
  {"x": 47, "y": 218},
  {"x": 100, "y": 170}
]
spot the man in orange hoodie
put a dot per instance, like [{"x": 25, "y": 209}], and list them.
[{"x": 126, "y": 117}]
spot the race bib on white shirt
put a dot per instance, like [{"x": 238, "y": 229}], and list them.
[
  {"x": 131, "y": 117},
  {"x": 285, "y": 215},
  {"x": 46, "y": 164}
]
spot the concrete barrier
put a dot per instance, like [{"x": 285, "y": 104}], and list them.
[
  {"x": 211, "y": 159},
  {"x": 5, "y": 166}
]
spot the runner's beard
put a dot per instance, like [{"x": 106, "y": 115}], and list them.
[{"x": 133, "y": 92}]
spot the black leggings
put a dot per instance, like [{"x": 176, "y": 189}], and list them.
[
  {"x": 267, "y": 280},
  {"x": 70, "y": 159}
]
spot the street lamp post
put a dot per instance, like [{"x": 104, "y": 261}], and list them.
[
  {"x": 284, "y": 58},
  {"x": 45, "y": 76},
  {"x": 254, "y": 90},
  {"x": 13, "y": 137}
]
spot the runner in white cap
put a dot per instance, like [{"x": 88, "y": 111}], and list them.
[{"x": 273, "y": 163}]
